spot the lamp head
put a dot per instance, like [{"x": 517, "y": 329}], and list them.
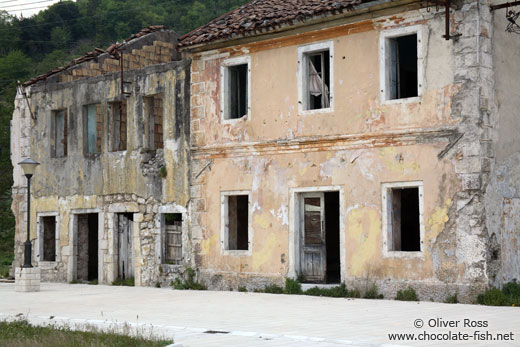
[{"x": 28, "y": 165}]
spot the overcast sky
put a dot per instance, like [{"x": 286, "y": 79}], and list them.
[{"x": 26, "y": 8}]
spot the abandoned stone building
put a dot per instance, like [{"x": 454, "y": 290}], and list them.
[
  {"x": 111, "y": 133},
  {"x": 365, "y": 142}
]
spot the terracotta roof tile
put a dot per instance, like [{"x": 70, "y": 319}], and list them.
[{"x": 264, "y": 15}]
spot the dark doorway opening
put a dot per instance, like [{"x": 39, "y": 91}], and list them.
[
  {"x": 332, "y": 237},
  {"x": 87, "y": 260},
  {"x": 410, "y": 226}
]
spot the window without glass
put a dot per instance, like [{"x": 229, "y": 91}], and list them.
[
  {"x": 317, "y": 80},
  {"x": 118, "y": 124},
  {"x": 49, "y": 238},
  {"x": 402, "y": 66},
  {"x": 404, "y": 220},
  {"x": 154, "y": 106},
  {"x": 94, "y": 128},
  {"x": 59, "y": 134},
  {"x": 172, "y": 238},
  {"x": 237, "y": 220},
  {"x": 236, "y": 94}
]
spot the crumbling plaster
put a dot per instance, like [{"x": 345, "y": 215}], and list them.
[
  {"x": 99, "y": 183},
  {"x": 360, "y": 145}
]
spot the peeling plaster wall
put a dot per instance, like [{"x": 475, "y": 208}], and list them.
[
  {"x": 503, "y": 192},
  {"x": 439, "y": 139},
  {"x": 109, "y": 182}
]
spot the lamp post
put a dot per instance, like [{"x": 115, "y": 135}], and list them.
[{"x": 28, "y": 165}]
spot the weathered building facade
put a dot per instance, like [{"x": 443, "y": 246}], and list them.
[
  {"x": 352, "y": 142},
  {"x": 334, "y": 141},
  {"x": 109, "y": 131}
]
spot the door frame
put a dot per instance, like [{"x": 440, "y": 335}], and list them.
[
  {"x": 323, "y": 227},
  {"x": 72, "y": 266},
  {"x": 113, "y": 268},
  {"x": 295, "y": 218}
]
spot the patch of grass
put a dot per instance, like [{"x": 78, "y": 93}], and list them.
[
  {"x": 129, "y": 282},
  {"x": 273, "y": 289},
  {"x": 373, "y": 293},
  {"x": 94, "y": 282},
  {"x": 21, "y": 333},
  {"x": 408, "y": 294},
  {"x": 157, "y": 285},
  {"x": 452, "y": 299},
  {"x": 340, "y": 291},
  {"x": 509, "y": 295},
  {"x": 74, "y": 282},
  {"x": 292, "y": 286},
  {"x": 187, "y": 281},
  {"x": 242, "y": 289},
  {"x": 512, "y": 291}
]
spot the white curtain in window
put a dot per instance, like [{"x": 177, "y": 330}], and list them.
[{"x": 316, "y": 85}]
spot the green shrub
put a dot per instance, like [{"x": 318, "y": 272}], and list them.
[
  {"x": 242, "y": 289},
  {"x": 452, "y": 299},
  {"x": 373, "y": 293},
  {"x": 493, "y": 297},
  {"x": 292, "y": 286},
  {"x": 408, "y": 294},
  {"x": 340, "y": 291},
  {"x": 4, "y": 271},
  {"x": 354, "y": 293},
  {"x": 512, "y": 291},
  {"x": 157, "y": 284},
  {"x": 187, "y": 281},
  {"x": 128, "y": 282},
  {"x": 74, "y": 282},
  {"x": 93, "y": 282},
  {"x": 273, "y": 289}
]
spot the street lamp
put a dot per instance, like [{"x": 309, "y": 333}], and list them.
[{"x": 28, "y": 165}]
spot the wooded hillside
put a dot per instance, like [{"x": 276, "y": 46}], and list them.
[{"x": 66, "y": 30}]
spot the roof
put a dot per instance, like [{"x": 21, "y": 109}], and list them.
[
  {"x": 263, "y": 15},
  {"x": 112, "y": 50}
]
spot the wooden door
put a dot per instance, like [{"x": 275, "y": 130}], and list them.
[
  {"x": 125, "y": 241},
  {"x": 313, "y": 251}
]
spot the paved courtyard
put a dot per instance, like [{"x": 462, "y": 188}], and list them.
[{"x": 208, "y": 318}]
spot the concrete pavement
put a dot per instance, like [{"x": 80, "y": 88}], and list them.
[{"x": 208, "y": 318}]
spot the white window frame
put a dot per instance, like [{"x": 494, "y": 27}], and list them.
[
  {"x": 40, "y": 237},
  {"x": 386, "y": 189},
  {"x": 224, "y": 75},
  {"x": 384, "y": 61},
  {"x": 303, "y": 52},
  {"x": 224, "y": 230}
]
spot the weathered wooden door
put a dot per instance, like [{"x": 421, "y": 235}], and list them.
[
  {"x": 313, "y": 250},
  {"x": 125, "y": 245}
]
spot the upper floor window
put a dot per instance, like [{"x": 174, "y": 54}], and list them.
[
  {"x": 235, "y": 86},
  {"x": 401, "y": 61},
  {"x": 118, "y": 125},
  {"x": 59, "y": 131},
  {"x": 94, "y": 128},
  {"x": 154, "y": 121},
  {"x": 315, "y": 77}
]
